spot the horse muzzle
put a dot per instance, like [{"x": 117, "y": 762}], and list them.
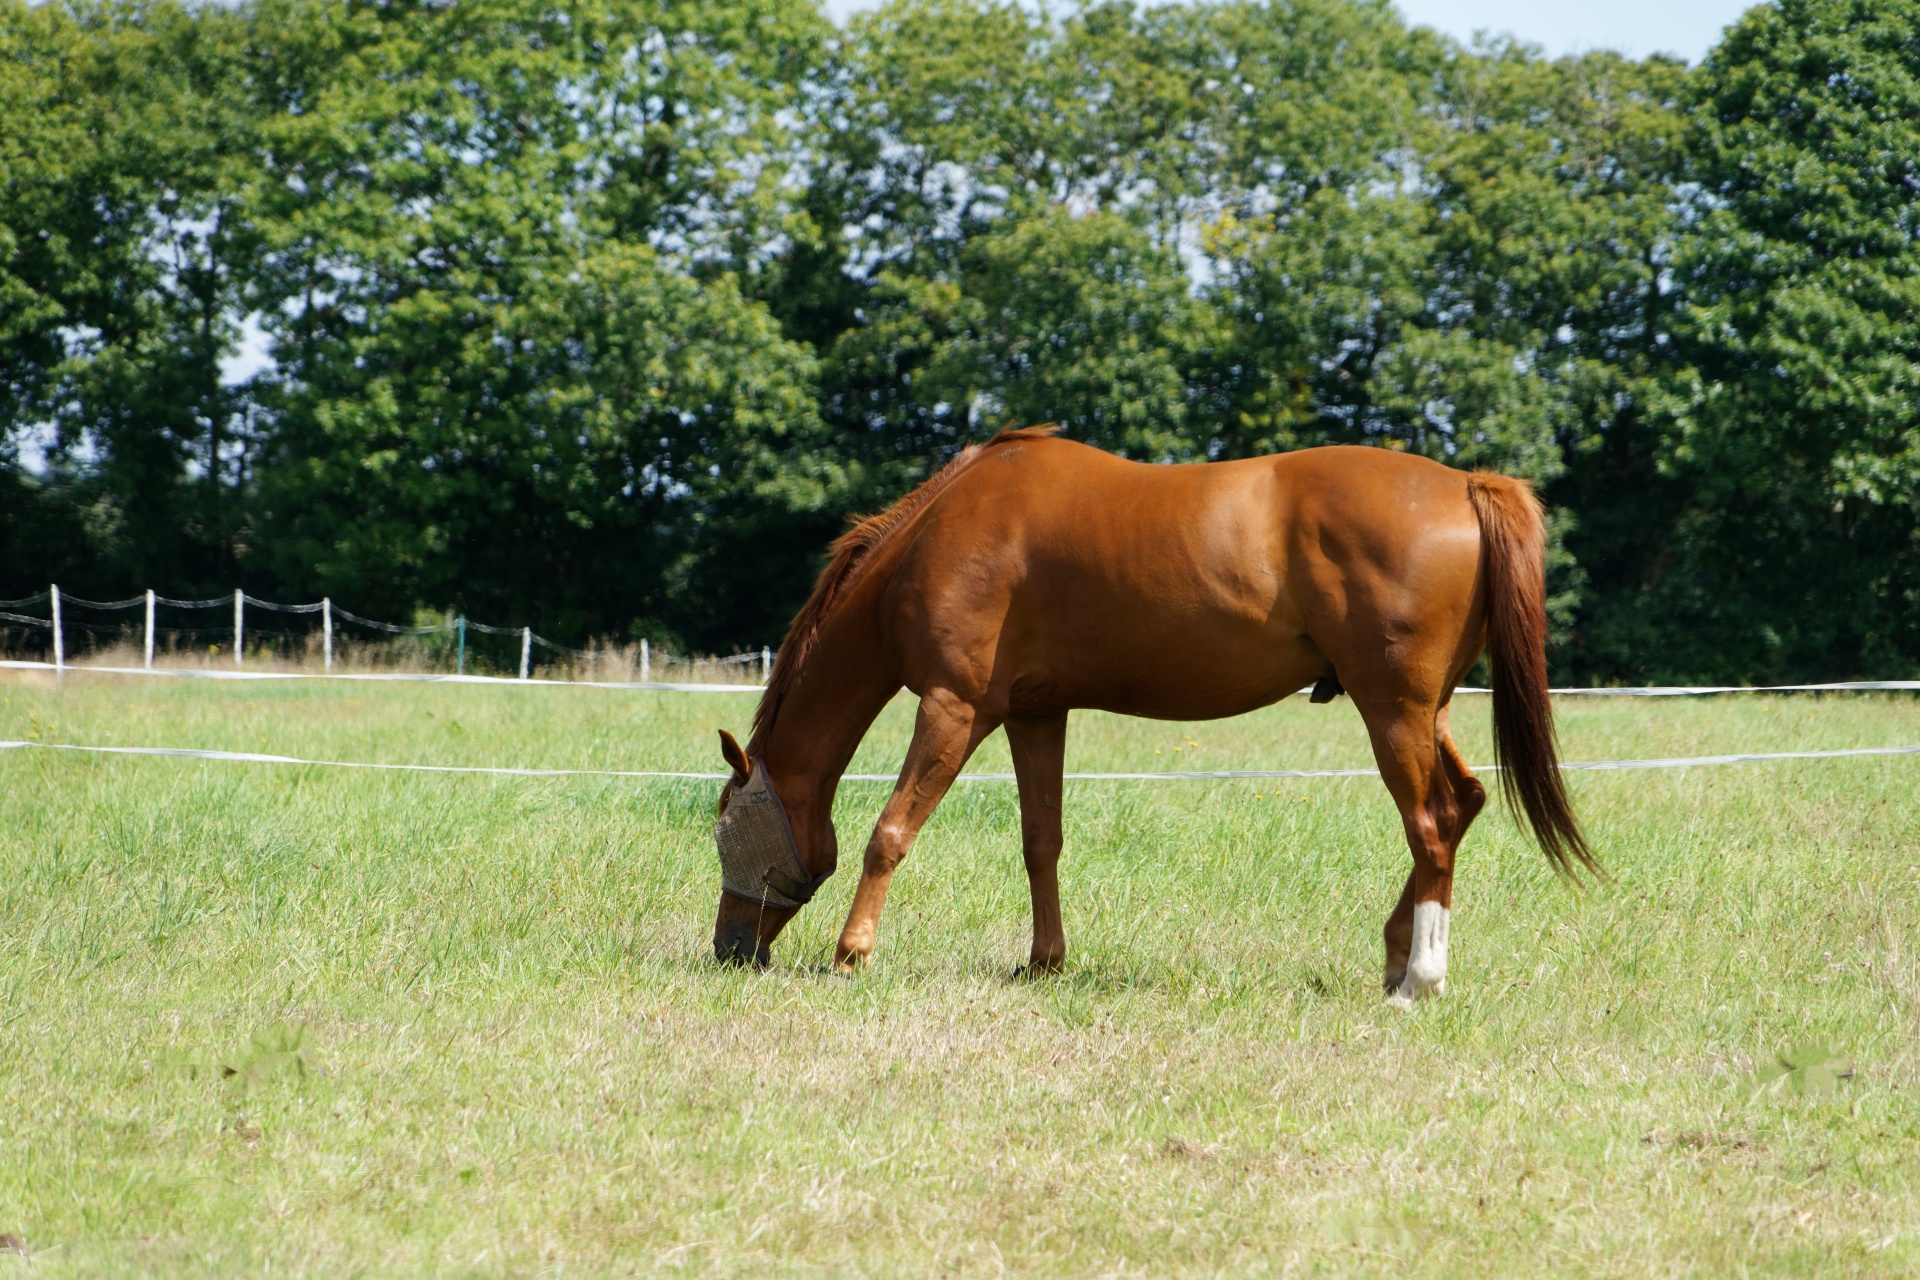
[{"x": 737, "y": 942}]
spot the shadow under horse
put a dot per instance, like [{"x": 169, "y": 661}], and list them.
[{"x": 1032, "y": 576}]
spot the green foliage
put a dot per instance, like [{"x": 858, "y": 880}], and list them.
[
  {"x": 1054, "y": 318},
  {"x": 604, "y": 315},
  {"x": 119, "y": 291},
  {"x": 511, "y": 371},
  {"x": 1790, "y": 431}
]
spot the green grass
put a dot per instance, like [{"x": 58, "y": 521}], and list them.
[{"x": 473, "y": 1029}]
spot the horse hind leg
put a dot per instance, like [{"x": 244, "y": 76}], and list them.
[
  {"x": 1438, "y": 798},
  {"x": 1398, "y": 936},
  {"x": 1469, "y": 798},
  {"x": 945, "y": 733}
]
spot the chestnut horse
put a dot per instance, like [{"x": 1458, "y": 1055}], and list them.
[{"x": 1033, "y": 575}]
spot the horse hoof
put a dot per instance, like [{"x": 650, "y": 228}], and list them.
[
  {"x": 1032, "y": 969},
  {"x": 1411, "y": 991}
]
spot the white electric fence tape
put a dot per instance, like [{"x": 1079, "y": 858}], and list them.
[{"x": 1220, "y": 775}]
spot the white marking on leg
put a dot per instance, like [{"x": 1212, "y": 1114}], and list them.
[{"x": 1427, "y": 961}]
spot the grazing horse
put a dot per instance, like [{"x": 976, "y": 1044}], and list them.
[{"x": 1033, "y": 575}]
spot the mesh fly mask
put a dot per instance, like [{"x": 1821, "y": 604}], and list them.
[{"x": 758, "y": 858}]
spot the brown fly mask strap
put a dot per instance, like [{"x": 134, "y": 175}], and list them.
[{"x": 759, "y": 860}]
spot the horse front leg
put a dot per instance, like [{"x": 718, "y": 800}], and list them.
[
  {"x": 1039, "y": 749},
  {"x": 945, "y": 732}
]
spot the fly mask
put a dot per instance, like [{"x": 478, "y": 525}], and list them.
[{"x": 758, "y": 858}]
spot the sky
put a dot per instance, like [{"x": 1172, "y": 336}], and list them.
[{"x": 1634, "y": 27}]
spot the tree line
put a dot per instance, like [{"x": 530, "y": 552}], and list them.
[{"x": 605, "y": 314}]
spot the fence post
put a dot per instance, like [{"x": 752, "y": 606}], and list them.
[
  {"x": 460, "y": 662},
  {"x": 239, "y": 626},
  {"x": 326, "y": 628},
  {"x": 766, "y": 664},
  {"x": 646, "y": 662},
  {"x": 59, "y": 646},
  {"x": 526, "y": 651},
  {"x": 149, "y": 628}
]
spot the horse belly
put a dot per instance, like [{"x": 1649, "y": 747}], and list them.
[
  {"x": 1180, "y": 620},
  {"x": 1139, "y": 657}
]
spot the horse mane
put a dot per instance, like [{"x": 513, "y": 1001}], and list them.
[{"x": 852, "y": 551}]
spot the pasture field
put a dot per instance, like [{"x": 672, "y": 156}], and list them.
[{"x": 320, "y": 1022}]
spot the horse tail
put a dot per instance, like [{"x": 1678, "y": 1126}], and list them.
[{"x": 1513, "y": 539}]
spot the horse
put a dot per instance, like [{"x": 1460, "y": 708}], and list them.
[{"x": 1032, "y": 576}]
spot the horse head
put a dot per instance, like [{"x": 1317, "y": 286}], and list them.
[{"x": 764, "y": 879}]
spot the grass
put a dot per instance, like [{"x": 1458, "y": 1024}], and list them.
[{"x": 320, "y": 1022}]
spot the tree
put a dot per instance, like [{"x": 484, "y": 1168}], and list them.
[
  {"x": 517, "y": 372},
  {"x": 1791, "y": 437},
  {"x": 605, "y": 314},
  {"x": 118, "y": 293}
]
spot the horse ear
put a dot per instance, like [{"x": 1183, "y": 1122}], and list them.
[{"x": 736, "y": 758}]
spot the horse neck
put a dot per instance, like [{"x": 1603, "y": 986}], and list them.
[{"x": 843, "y": 688}]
